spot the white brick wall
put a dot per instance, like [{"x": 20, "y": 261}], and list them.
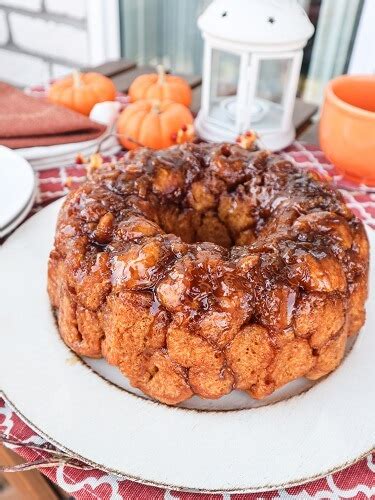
[
  {"x": 4, "y": 32},
  {"x": 70, "y": 8},
  {"x": 21, "y": 69},
  {"x": 44, "y": 39},
  {"x": 33, "y": 5},
  {"x": 49, "y": 38}
]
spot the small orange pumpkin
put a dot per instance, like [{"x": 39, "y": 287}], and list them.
[
  {"x": 162, "y": 87},
  {"x": 81, "y": 91},
  {"x": 155, "y": 124}
]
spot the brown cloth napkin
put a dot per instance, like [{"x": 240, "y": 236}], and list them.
[{"x": 28, "y": 121}]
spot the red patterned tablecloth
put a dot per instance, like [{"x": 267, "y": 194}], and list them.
[{"x": 356, "y": 481}]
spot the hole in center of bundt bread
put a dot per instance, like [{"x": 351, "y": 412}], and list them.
[
  {"x": 195, "y": 227},
  {"x": 209, "y": 212}
]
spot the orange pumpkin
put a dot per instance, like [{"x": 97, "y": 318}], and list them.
[
  {"x": 155, "y": 124},
  {"x": 162, "y": 87},
  {"x": 81, "y": 91}
]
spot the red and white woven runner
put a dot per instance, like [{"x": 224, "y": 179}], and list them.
[{"x": 85, "y": 483}]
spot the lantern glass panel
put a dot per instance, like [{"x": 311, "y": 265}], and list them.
[
  {"x": 225, "y": 70},
  {"x": 267, "y": 108}
]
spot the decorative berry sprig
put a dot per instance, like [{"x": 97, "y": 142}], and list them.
[
  {"x": 185, "y": 134},
  {"x": 248, "y": 140}
]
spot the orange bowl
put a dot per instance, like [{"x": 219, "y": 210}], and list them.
[{"x": 347, "y": 127}]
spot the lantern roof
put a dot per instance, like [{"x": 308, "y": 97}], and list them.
[{"x": 258, "y": 22}]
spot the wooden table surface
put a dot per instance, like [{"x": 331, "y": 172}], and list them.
[
  {"x": 311, "y": 133},
  {"x": 122, "y": 72},
  {"x": 27, "y": 485}
]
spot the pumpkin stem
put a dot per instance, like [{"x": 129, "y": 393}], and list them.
[
  {"x": 161, "y": 73},
  {"x": 77, "y": 82}
]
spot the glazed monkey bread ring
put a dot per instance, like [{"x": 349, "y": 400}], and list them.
[{"x": 204, "y": 268}]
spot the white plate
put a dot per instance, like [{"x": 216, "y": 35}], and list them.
[
  {"x": 282, "y": 444},
  {"x": 17, "y": 184},
  {"x": 21, "y": 216}
]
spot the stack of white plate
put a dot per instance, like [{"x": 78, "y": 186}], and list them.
[
  {"x": 61, "y": 155},
  {"x": 17, "y": 190}
]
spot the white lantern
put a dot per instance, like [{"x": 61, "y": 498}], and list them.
[{"x": 252, "y": 60}]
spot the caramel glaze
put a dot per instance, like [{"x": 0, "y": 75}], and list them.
[{"x": 204, "y": 268}]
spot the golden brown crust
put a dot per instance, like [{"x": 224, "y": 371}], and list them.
[
  {"x": 204, "y": 268},
  {"x": 249, "y": 355},
  {"x": 329, "y": 356}
]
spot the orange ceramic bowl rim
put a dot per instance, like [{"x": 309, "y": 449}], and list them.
[{"x": 345, "y": 106}]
